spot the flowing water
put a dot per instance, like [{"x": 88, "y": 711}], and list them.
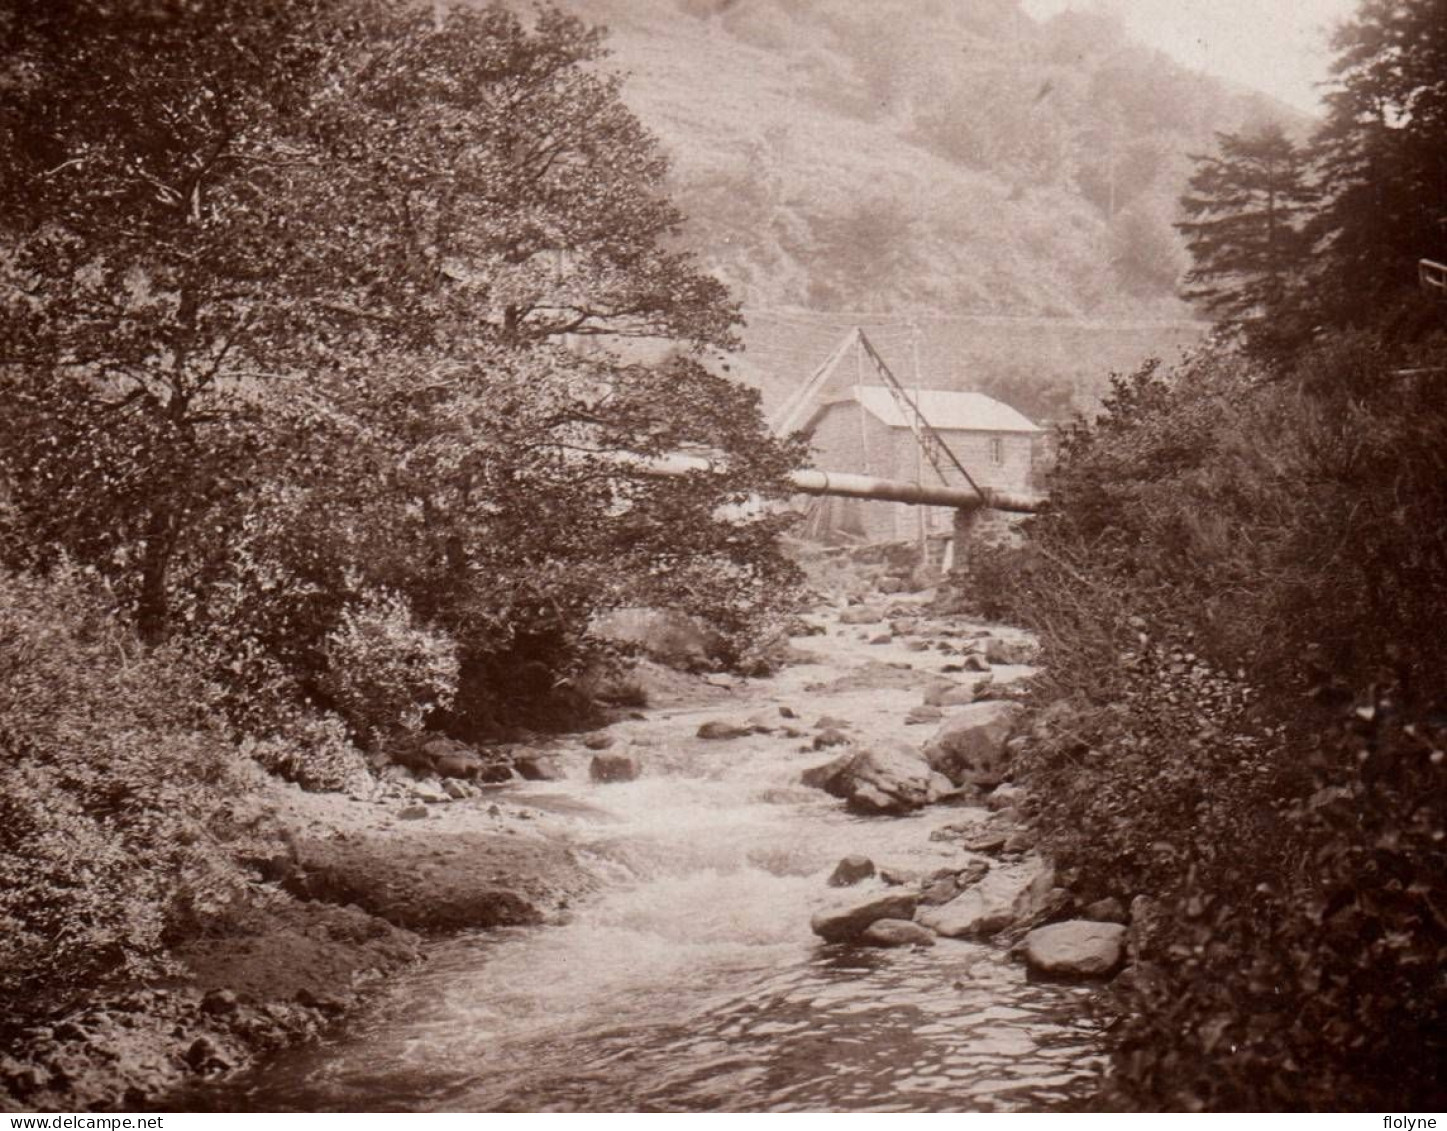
[{"x": 693, "y": 982}]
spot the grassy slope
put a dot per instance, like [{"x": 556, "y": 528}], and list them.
[{"x": 800, "y": 136}]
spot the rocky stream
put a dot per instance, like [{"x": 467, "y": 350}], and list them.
[{"x": 746, "y": 941}]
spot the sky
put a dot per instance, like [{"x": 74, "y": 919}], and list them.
[{"x": 1276, "y": 46}]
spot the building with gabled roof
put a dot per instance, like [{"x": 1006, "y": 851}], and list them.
[{"x": 865, "y": 430}]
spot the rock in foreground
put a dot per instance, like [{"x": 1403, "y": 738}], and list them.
[
  {"x": 847, "y": 922},
  {"x": 850, "y": 871},
  {"x": 1077, "y": 949},
  {"x": 969, "y": 748},
  {"x": 614, "y": 768},
  {"x": 1006, "y": 895},
  {"x": 896, "y": 932},
  {"x": 882, "y": 777}
]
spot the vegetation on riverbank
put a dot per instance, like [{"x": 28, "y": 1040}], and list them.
[
  {"x": 319, "y": 338},
  {"x": 1239, "y": 588}
]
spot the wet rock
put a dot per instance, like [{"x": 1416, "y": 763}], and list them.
[
  {"x": 898, "y": 877},
  {"x": 890, "y": 585},
  {"x": 972, "y": 873},
  {"x": 1005, "y": 896},
  {"x": 205, "y": 1056},
  {"x": 456, "y": 790},
  {"x": 538, "y": 767},
  {"x": 598, "y": 741},
  {"x": 1107, "y": 910},
  {"x": 1076, "y": 949},
  {"x": 873, "y": 801},
  {"x": 861, "y": 614},
  {"x": 883, "y": 777},
  {"x": 830, "y": 737},
  {"x": 905, "y": 626},
  {"x": 846, "y": 922},
  {"x": 955, "y": 694},
  {"x": 939, "y": 891},
  {"x": 974, "y": 663},
  {"x": 989, "y": 839},
  {"x": 923, "y": 714},
  {"x": 429, "y": 792},
  {"x": 998, "y": 651},
  {"x": 850, "y": 871},
  {"x": 69, "y": 1031},
  {"x": 413, "y": 813},
  {"x": 786, "y": 712},
  {"x": 942, "y": 789},
  {"x": 1005, "y": 795},
  {"x": 219, "y": 1003},
  {"x": 829, "y": 777},
  {"x": 969, "y": 748},
  {"x": 832, "y": 722},
  {"x": 607, "y": 767},
  {"x": 896, "y": 932},
  {"x": 719, "y": 731},
  {"x": 1021, "y": 840},
  {"x": 947, "y": 883},
  {"x": 493, "y": 773}
]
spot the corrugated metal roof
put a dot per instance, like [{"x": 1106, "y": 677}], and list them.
[{"x": 944, "y": 409}]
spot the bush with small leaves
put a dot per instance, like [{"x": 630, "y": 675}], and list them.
[
  {"x": 1238, "y": 590},
  {"x": 384, "y": 671},
  {"x": 113, "y": 787}
]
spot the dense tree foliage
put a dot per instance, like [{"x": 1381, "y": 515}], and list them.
[
  {"x": 1383, "y": 152},
  {"x": 322, "y": 329},
  {"x": 1246, "y": 209},
  {"x": 283, "y": 287},
  {"x": 1287, "y": 239},
  {"x": 1239, "y": 586}
]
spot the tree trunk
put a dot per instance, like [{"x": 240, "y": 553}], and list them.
[{"x": 152, "y": 610}]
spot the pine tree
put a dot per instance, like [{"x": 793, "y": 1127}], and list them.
[
  {"x": 1245, "y": 232},
  {"x": 1383, "y": 151}
]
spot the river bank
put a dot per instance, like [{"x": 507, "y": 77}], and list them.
[{"x": 362, "y": 882}]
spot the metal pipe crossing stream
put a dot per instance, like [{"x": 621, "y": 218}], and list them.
[{"x": 812, "y": 481}]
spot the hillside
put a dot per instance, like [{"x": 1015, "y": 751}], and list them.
[{"x": 959, "y": 163}]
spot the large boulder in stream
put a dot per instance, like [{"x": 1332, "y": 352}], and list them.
[
  {"x": 1006, "y": 895},
  {"x": 881, "y": 777},
  {"x": 969, "y": 747},
  {"x": 1077, "y": 949},
  {"x": 611, "y": 767},
  {"x": 846, "y": 922},
  {"x": 850, "y": 871}
]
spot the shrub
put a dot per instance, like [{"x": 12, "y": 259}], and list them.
[
  {"x": 112, "y": 787},
  {"x": 1230, "y": 565},
  {"x": 385, "y": 672}
]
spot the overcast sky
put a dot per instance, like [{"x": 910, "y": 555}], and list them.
[{"x": 1277, "y": 46}]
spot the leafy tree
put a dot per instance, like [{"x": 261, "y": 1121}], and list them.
[
  {"x": 1245, "y": 233},
  {"x": 282, "y": 288},
  {"x": 1384, "y": 156},
  {"x": 162, "y": 218}
]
